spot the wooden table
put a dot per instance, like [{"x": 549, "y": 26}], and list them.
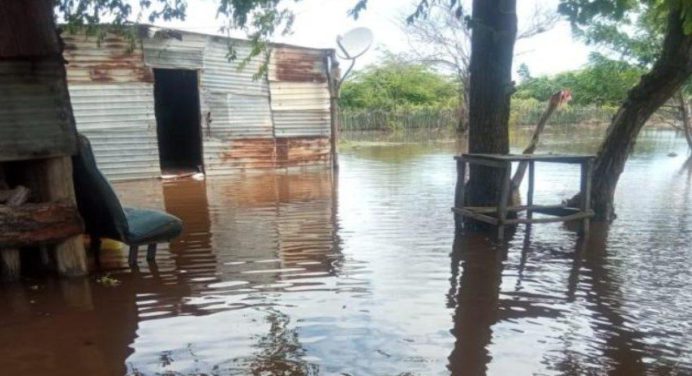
[{"x": 498, "y": 215}]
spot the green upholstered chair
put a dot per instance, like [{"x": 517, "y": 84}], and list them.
[{"x": 104, "y": 217}]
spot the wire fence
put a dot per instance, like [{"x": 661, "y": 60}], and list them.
[
  {"x": 383, "y": 120},
  {"x": 567, "y": 115},
  {"x": 393, "y": 120}
]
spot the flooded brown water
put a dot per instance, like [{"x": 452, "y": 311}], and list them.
[{"x": 309, "y": 273}]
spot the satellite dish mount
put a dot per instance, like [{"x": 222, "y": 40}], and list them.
[{"x": 353, "y": 45}]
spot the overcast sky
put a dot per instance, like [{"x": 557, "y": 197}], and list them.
[{"x": 318, "y": 22}]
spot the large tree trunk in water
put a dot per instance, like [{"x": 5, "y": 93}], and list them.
[
  {"x": 494, "y": 30},
  {"x": 669, "y": 73},
  {"x": 32, "y": 70}
]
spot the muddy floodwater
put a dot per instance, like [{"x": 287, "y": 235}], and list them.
[{"x": 360, "y": 273}]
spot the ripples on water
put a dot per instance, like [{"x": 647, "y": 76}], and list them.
[{"x": 361, "y": 274}]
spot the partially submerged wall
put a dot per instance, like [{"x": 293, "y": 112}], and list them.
[{"x": 279, "y": 120}]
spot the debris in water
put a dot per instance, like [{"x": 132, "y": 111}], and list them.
[{"x": 107, "y": 281}]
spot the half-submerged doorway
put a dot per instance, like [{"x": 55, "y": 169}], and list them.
[{"x": 176, "y": 98}]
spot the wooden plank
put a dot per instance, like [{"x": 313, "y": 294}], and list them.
[
  {"x": 585, "y": 187},
  {"x": 519, "y": 208},
  {"x": 504, "y": 200},
  {"x": 9, "y": 264},
  {"x": 460, "y": 190},
  {"x": 476, "y": 216},
  {"x": 550, "y": 158},
  {"x": 566, "y": 218},
  {"x": 32, "y": 224},
  {"x": 529, "y": 194},
  {"x": 484, "y": 162},
  {"x": 51, "y": 179}
]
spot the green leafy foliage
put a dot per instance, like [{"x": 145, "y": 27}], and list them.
[
  {"x": 630, "y": 31},
  {"x": 395, "y": 84},
  {"x": 602, "y": 82},
  {"x": 588, "y": 16}
]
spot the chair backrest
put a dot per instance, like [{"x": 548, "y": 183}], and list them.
[{"x": 98, "y": 204}]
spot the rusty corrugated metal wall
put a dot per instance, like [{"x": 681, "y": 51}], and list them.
[
  {"x": 112, "y": 94},
  {"x": 300, "y": 105},
  {"x": 237, "y": 127},
  {"x": 280, "y": 120}
]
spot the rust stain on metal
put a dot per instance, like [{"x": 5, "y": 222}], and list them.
[
  {"x": 298, "y": 66},
  {"x": 272, "y": 153},
  {"x": 99, "y": 75},
  {"x": 250, "y": 153},
  {"x": 114, "y": 59},
  {"x": 307, "y": 150}
]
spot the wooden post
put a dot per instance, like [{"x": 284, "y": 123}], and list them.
[
  {"x": 459, "y": 191},
  {"x": 585, "y": 190},
  {"x": 9, "y": 264},
  {"x": 529, "y": 194},
  {"x": 52, "y": 181},
  {"x": 333, "y": 81},
  {"x": 504, "y": 198}
]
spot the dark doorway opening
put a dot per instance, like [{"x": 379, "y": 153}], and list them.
[{"x": 176, "y": 98}]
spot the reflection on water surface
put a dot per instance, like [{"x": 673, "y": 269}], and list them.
[{"x": 361, "y": 274}]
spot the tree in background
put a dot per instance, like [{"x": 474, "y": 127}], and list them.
[
  {"x": 396, "y": 84},
  {"x": 602, "y": 82},
  {"x": 443, "y": 39},
  {"x": 670, "y": 69},
  {"x": 637, "y": 42}
]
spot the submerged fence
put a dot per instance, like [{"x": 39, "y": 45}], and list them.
[
  {"x": 521, "y": 115},
  {"x": 381, "y": 120},
  {"x": 567, "y": 115}
]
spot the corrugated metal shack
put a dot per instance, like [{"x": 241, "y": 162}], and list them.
[{"x": 172, "y": 99}]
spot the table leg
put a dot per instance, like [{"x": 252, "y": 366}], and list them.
[
  {"x": 504, "y": 198},
  {"x": 459, "y": 192},
  {"x": 529, "y": 194},
  {"x": 585, "y": 193}
]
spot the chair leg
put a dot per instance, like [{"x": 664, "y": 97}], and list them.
[
  {"x": 95, "y": 249},
  {"x": 151, "y": 252},
  {"x": 132, "y": 258}
]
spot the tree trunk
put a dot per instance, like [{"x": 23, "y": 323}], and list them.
[
  {"x": 686, "y": 118},
  {"x": 494, "y": 29},
  {"x": 30, "y": 40},
  {"x": 667, "y": 76}
]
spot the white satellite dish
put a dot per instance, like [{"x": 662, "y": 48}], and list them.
[{"x": 355, "y": 43}]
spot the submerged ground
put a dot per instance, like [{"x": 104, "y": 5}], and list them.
[{"x": 360, "y": 273}]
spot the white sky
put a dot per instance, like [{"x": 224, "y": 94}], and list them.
[{"x": 318, "y": 22}]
